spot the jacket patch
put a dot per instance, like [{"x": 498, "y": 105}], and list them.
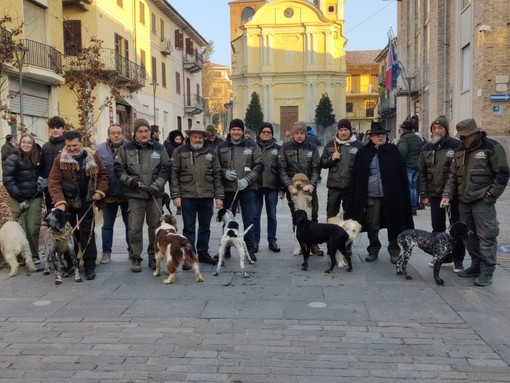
[
  {"x": 274, "y": 152},
  {"x": 480, "y": 156},
  {"x": 450, "y": 153},
  {"x": 248, "y": 151},
  {"x": 209, "y": 157},
  {"x": 156, "y": 155},
  {"x": 353, "y": 150},
  {"x": 309, "y": 154}
]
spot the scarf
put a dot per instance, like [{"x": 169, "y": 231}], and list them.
[
  {"x": 68, "y": 162},
  {"x": 346, "y": 143}
]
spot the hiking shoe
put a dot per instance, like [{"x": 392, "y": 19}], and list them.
[
  {"x": 186, "y": 267},
  {"x": 90, "y": 275},
  {"x": 470, "y": 272},
  {"x": 136, "y": 265},
  {"x": 371, "y": 257},
  {"x": 206, "y": 258},
  {"x": 36, "y": 260},
  {"x": 253, "y": 257},
  {"x": 105, "y": 258},
  {"x": 458, "y": 267},
  {"x": 483, "y": 280},
  {"x": 274, "y": 247},
  {"x": 444, "y": 264},
  {"x": 152, "y": 263}
]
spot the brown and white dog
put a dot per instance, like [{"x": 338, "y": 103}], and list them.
[
  {"x": 176, "y": 248},
  {"x": 302, "y": 201}
]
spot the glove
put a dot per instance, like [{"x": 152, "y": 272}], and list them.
[
  {"x": 153, "y": 192},
  {"x": 230, "y": 175},
  {"x": 42, "y": 183},
  {"x": 23, "y": 206},
  {"x": 134, "y": 182},
  {"x": 309, "y": 188},
  {"x": 242, "y": 184}
]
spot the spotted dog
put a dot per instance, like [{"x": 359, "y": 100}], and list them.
[
  {"x": 175, "y": 247},
  {"x": 439, "y": 245},
  {"x": 336, "y": 238},
  {"x": 232, "y": 236},
  {"x": 60, "y": 240}
]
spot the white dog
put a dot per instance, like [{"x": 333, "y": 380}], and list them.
[
  {"x": 353, "y": 229},
  {"x": 13, "y": 242}
]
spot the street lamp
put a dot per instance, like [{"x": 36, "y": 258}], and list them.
[
  {"x": 21, "y": 51},
  {"x": 154, "y": 86}
]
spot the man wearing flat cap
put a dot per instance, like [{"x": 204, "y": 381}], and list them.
[
  {"x": 379, "y": 194},
  {"x": 196, "y": 186},
  {"x": 143, "y": 166},
  {"x": 301, "y": 156},
  {"x": 478, "y": 176},
  {"x": 213, "y": 140}
]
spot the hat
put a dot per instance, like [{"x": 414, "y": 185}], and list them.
[
  {"x": 441, "y": 120},
  {"x": 236, "y": 123},
  {"x": 408, "y": 124},
  {"x": 266, "y": 125},
  {"x": 299, "y": 126},
  {"x": 377, "y": 128},
  {"x": 140, "y": 122},
  {"x": 344, "y": 123},
  {"x": 211, "y": 129},
  {"x": 197, "y": 129},
  {"x": 467, "y": 127}
]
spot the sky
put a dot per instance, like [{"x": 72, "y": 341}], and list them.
[{"x": 367, "y": 23}]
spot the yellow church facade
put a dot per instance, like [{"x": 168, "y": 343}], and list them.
[{"x": 290, "y": 53}]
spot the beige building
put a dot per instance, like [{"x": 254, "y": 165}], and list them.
[
  {"x": 290, "y": 53},
  {"x": 217, "y": 95},
  {"x": 456, "y": 56},
  {"x": 36, "y": 64}
]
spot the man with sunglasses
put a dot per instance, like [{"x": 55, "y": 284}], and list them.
[{"x": 478, "y": 176}]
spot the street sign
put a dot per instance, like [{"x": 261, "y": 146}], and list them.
[
  {"x": 500, "y": 97},
  {"x": 497, "y": 110}
]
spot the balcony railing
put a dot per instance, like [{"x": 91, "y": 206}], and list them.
[
  {"x": 194, "y": 104},
  {"x": 193, "y": 63},
  {"x": 128, "y": 72},
  {"x": 42, "y": 56},
  {"x": 362, "y": 89}
]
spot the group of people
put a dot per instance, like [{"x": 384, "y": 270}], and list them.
[{"x": 377, "y": 184}]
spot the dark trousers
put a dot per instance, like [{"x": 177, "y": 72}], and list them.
[
  {"x": 201, "y": 208},
  {"x": 438, "y": 217},
  {"x": 85, "y": 235},
  {"x": 373, "y": 222},
  {"x": 336, "y": 196}
]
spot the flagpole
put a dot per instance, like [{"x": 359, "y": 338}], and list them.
[{"x": 406, "y": 79}]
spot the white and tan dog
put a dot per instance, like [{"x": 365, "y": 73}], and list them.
[
  {"x": 13, "y": 242},
  {"x": 353, "y": 229},
  {"x": 302, "y": 200},
  {"x": 175, "y": 248}
]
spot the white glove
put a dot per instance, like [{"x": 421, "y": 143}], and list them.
[
  {"x": 242, "y": 184},
  {"x": 309, "y": 188},
  {"x": 42, "y": 183},
  {"x": 23, "y": 206},
  {"x": 230, "y": 175}
]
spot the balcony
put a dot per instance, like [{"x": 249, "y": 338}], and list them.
[
  {"x": 194, "y": 104},
  {"x": 129, "y": 74},
  {"x": 193, "y": 63},
  {"x": 363, "y": 89},
  {"x": 387, "y": 108},
  {"x": 166, "y": 47},
  {"x": 83, "y": 4}
]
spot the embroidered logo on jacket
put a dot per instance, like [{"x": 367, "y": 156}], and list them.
[
  {"x": 309, "y": 154},
  {"x": 248, "y": 151},
  {"x": 208, "y": 157},
  {"x": 450, "y": 153},
  {"x": 274, "y": 152},
  {"x": 480, "y": 156},
  {"x": 156, "y": 155},
  {"x": 353, "y": 150}
]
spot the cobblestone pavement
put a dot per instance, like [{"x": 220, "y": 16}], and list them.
[{"x": 282, "y": 325}]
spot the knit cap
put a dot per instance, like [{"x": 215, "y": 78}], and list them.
[
  {"x": 441, "y": 120},
  {"x": 299, "y": 126},
  {"x": 236, "y": 123},
  {"x": 140, "y": 122},
  {"x": 344, "y": 123}
]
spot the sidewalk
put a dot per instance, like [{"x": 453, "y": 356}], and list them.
[{"x": 282, "y": 325}]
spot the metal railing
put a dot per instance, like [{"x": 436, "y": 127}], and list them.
[
  {"x": 42, "y": 55},
  {"x": 193, "y": 63}
]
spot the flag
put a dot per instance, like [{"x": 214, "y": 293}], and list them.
[{"x": 392, "y": 67}]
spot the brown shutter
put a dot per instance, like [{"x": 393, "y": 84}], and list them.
[{"x": 72, "y": 37}]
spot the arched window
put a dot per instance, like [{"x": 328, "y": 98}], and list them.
[{"x": 247, "y": 14}]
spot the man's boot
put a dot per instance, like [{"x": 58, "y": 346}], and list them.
[
  {"x": 152, "y": 262},
  {"x": 472, "y": 271},
  {"x": 136, "y": 264},
  {"x": 485, "y": 277},
  {"x": 316, "y": 250},
  {"x": 371, "y": 257}
]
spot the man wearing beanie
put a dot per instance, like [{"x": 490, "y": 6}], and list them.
[
  {"x": 241, "y": 164},
  {"x": 434, "y": 167},
  {"x": 479, "y": 175},
  {"x": 338, "y": 156},
  {"x": 301, "y": 156},
  {"x": 268, "y": 185},
  {"x": 143, "y": 166},
  {"x": 409, "y": 146}
]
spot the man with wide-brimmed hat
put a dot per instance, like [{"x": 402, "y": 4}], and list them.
[
  {"x": 214, "y": 139},
  {"x": 379, "y": 194},
  {"x": 434, "y": 163},
  {"x": 196, "y": 187},
  {"x": 478, "y": 176}
]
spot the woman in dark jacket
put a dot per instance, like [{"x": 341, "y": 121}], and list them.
[
  {"x": 22, "y": 169},
  {"x": 175, "y": 139}
]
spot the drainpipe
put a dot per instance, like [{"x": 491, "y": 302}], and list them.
[{"x": 445, "y": 57}]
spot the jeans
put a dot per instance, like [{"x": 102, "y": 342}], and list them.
[
  {"x": 109, "y": 217},
  {"x": 139, "y": 209},
  {"x": 203, "y": 208},
  {"x": 271, "y": 198},
  {"x": 248, "y": 212},
  {"x": 412, "y": 178}
]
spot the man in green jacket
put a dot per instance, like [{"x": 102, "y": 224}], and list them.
[
  {"x": 143, "y": 166},
  {"x": 479, "y": 174}
]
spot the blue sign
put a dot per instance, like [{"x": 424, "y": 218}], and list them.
[{"x": 500, "y": 97}]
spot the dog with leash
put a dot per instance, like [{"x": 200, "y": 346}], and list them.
[
  {"x": 336, "y": 238},
  {"x": 175, "y": 248},
  {"x": 439, "y": 245},
  {"x": 59, "y": 241},
  {"x": 232, "y": 236}
]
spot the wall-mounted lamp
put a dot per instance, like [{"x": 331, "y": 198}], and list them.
[{"x": 484, "y": 28}]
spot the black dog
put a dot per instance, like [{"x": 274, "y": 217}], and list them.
[
  {"x": 308, "y": 233},
  {"x": 60, "y": 241},
  {"x": 439, "y": 245}
]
